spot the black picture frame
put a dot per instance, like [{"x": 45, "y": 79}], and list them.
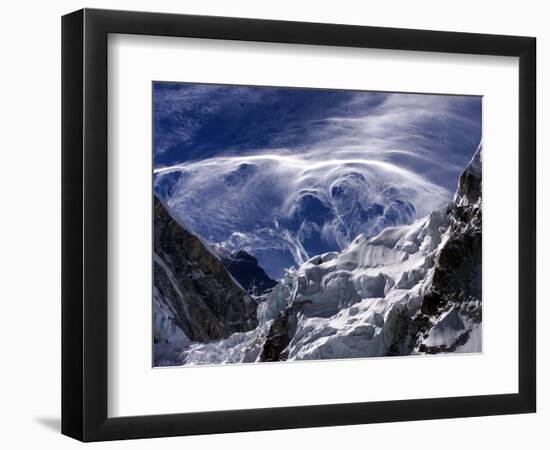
[{"x": 84, "y": 224}]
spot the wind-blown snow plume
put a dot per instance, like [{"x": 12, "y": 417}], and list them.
[{"x": 286, "y": 205}]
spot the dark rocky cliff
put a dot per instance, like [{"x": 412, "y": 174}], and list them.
[
  {"x": 195, "y": 298},
  {"x": 455, "y": 292}
]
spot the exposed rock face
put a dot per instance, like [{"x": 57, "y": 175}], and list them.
[
  {"x": 245, "y": 269},
  {"x": 451, "y": 309},
  {"x": 281, "y": 331},
  {"x": 195, "y": 298}
]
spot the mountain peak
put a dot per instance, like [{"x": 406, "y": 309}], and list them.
[{"x": 469, "y": 184}]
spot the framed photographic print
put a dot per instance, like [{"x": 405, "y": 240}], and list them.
[{"x": 273, "y": 224}]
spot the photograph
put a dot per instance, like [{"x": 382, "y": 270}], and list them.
[{"x": 295, "y": 223}]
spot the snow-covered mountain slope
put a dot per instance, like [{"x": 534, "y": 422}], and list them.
[
  {"x": 410, "y": 289},
  {"x": 285, "y": 208},
  {"x": 194, "y": 297}
]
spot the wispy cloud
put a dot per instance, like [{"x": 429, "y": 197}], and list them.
[
  {"x": 432, "y": 134},
  {"x": 255, "y": 168}
]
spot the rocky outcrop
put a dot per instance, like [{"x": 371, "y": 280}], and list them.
[
  {"x": 281, "y": 331},
  {"x": 195, "y": 298},
  {"x": 451, "y": 309},
  {"x": 245, "y": 269}
]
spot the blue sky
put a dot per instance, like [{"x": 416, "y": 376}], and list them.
[
  {"x": 197, "y": 121},
  {"x": 286, "y": 173}
]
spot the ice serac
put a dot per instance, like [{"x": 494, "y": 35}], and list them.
[
  {"x": 360, "y": 302},
  {"x": 194, "y": 297}
]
